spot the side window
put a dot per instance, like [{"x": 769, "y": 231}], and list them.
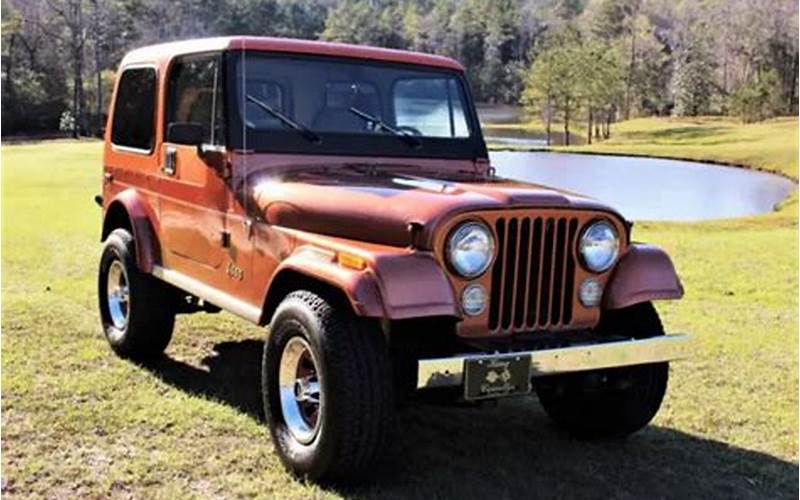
[
  {"x": 195, "y": 96},
  {"x": 134, "y": 109},
  {"x": 432, "y": 106}
]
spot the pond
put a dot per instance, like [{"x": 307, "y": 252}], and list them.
[
  {"x": 651, "y": 189},
  {"x": 498, "y": 122}
]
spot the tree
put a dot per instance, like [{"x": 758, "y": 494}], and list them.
[
  {"x": 757, "y": 99},
  {"x": 553, "y": 82},
  {"x": 693, "y": 77},
  {"x": 541, "y": 80},
  {"x": 600, "y": 85},
  {"x": 362, "y": 23},
  {"x": 686, "y": 57}
]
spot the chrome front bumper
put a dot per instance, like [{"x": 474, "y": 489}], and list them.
[{"x": 444, "y": 372}]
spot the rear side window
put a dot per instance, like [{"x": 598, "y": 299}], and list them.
[
  {"x": 195, "y": 96},
  {"x": 134, "y": 109}
]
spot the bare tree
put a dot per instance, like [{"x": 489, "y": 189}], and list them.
[{"x": 70, "y": 12}]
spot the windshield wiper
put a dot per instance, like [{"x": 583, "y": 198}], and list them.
[
  {"x": 405, "y": 136},
  {"x": 304, "y": 131}
]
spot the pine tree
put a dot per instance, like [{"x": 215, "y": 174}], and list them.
[{"x": 693, "y": 76}]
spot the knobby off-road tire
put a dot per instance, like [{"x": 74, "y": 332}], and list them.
[
  {"x": 609, "y": 403},
  {"x": 137, "y": 311},
  {"x": 347, "y": 357}
]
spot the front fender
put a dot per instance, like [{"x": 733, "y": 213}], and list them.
[
  {"x": 131, "y": 205},
  {"x": 645, "y": 273},
  {"x": 391, "y": 286}
]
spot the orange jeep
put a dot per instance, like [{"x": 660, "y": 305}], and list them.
[{"x": 343, "y": 196}]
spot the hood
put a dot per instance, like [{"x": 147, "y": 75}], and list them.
[{"x": 388, "y": 208}]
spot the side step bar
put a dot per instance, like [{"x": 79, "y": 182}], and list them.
[
  {"x": 444, "y": 372},
  {"x": 208, "y": 294}
]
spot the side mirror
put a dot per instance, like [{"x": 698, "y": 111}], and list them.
[{"x": 185, "y": 133}]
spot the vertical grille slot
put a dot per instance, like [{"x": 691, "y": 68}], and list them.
[
  {"x": 533, "y": 274},
  {"x": 522, "y": 273},
  {"x": 569, "y": 281},
  {"x": 497, "y": 275},
  {"x": 547, "y": 272},
  {"x": 510, "y": 273}
]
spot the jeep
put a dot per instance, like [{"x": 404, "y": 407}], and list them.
[{"x": 343, "y": 196}]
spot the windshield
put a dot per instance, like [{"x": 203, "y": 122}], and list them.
[{"x": 311, "y": 104}]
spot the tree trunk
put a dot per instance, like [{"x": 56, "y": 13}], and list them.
[
  {"x": 631, "y": 66},
  {"x": 566, "y": 122},
  {"x": 793, "y": 87},
  {"x": 98, "y": 66},
  {"x": 597, "y": 129},
  {"x": 99, "y": 84},
  {"x": 589, "y": 127},
  {"x": 549, "y": 112},
  {"x": 8, "y": 86},
  {"x": 78, "y": 95}
]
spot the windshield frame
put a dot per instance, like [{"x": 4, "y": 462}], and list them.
[{"x": 288, "y": 141}]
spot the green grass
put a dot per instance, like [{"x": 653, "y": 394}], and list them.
[
  {"x": 770, "y": 145},
  {"x": 79, "y": 422}
]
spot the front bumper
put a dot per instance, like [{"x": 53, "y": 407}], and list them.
[{"x": 445, "y": 372}]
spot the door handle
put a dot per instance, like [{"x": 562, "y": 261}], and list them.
[{"x": 170, "y": 161}]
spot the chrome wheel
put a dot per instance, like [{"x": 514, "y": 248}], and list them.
[
  {"x": 298, "y": 382},
  {"x": 118, "y": 295}
]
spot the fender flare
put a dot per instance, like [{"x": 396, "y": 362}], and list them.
[
  {"x": 141, "y": 217},
  {"x": 391, "y": 287},
  {"x": 645, "y": 273}
]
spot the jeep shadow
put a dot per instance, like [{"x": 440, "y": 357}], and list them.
[{"x": 509, "y": 449}]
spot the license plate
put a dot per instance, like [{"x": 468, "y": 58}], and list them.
[{"x": 497, "y": 376}]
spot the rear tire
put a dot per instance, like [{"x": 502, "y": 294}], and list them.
[
  {"x": 613, "y": 402},
  {"x": 342, "y": 391},
  {"x": 137, "y": 311}
]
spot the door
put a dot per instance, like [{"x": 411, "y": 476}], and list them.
[{"x": 193, "y": 194}]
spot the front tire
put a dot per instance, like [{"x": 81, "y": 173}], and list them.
[
  {"x": 613, "y": 402},
  {"x": 327, "y": 388},
  {"x": 137, "y": 311}
]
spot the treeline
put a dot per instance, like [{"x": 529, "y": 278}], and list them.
[{"x": 566, "y": 60}]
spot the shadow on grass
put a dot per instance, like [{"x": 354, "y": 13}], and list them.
[
  {"x": 511, "y": 450},
  {"x": 696, "y": 136}
]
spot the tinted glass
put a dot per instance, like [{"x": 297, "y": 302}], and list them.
[
  {"x": 195, "y": 96},
  {"x": 357, "y": 107},
  {"x": 134, "y": 109},
  {"x": 324, "y": 95},
  {"x": 431, "y": 106}
]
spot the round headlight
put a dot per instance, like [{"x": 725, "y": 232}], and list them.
[
  {"x": 599, "y": 246},
  {"x": 470, "y": 249}
]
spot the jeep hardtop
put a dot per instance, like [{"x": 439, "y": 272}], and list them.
[{"x": 343, "y": 196}]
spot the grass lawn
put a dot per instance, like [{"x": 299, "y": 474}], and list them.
[
  {"x": 79, "y": 422},
  {"x": 770, "y": 145}
]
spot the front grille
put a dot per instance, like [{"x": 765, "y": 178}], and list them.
[{"x": 533, "y": 275}]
